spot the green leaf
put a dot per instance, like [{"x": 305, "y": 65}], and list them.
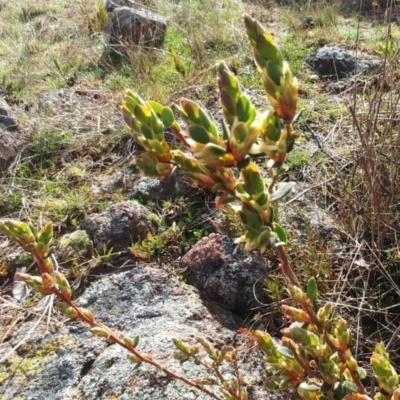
[
  {"x": 281, "y": 233},
  {"x": 264, "y": 236},
  {"x": 181, "y": 357},
  {"x": 216, "y": 187},
  {"x": 225, "y": 130},
  {"x": 46, "y": 234},
  {"x": 207, "y": 123},
  {"x": 239, "y": 132},
  {"x": 228, "y": 104},
  {"x": 278, "y": 382},
  {"x": 199, "y": 134},
  {"x": 167, "y": 117},
  {"x": 350, "y": 386},
  {"x": 309, "y": 387},
  {"x": 30, "y": 246},
  {"x": 245, "y": 110},
  {"x": 274, "y": 72},
  {"x": 273, "y": 133},
  {"x": 157, "y": 107},
  {"x": 147, "y": 132},
  {"x": 270, "y": 88},
  {"x": 228, "y": 199},
  {"x": 285, "y": 352},
  {"x": 253, "y": 219},
  {"x": 33, "y": 230},
  {"x": 267, "y": 48},
  {"x": 263, "y": 198},
  {"x": 362, "y": 373},
  {"x": 215, "y": 149},
  {"x": 312, "y": 290},
  {"x": 339, "y": 390},
  {"x": 283, "y": 190},
  {"x": 191, "y": 109},
  {"x": 143, "y": 114},
  {"x": 253, "y": 182},
  {"x": 322, "y": 397},
  {"x": 326, "y": 387}
]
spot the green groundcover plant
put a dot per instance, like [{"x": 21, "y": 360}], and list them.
[{"x": 314, "y": 354}]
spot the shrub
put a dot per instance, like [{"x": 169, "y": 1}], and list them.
[{"x": 314, "y": 354}]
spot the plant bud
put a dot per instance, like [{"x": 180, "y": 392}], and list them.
[
  {"x": 101, "y": 332},
  {"x": 45, "y": 264},
  {"x": 130, "y": 342},
  {"x": 17, "y": 231},
  {"x": 327, "y": 325},
  {"x": 230, "y": 356},
  {"x": 63, "y": 285},
  {"x": 301, "y": 336},
  {"x": 150, "y": 166},
  {"x": 208, "y": 347},
  {"x": 330, "y": 371},
  {"x": 45, "y": 235},
  {"x": 343, "y": 335},
  {"x": 297, "y": 294},
  {"x": 87, "y": 314},
  {"x": 181, "y": 345},
  {"x": 325, "y": 312},
  {"x": 35, "y": 282},
  {"x": 68, "y": 311},
  {"x": 147, "y": 356},
  {"x": 48, "y": 280},
  {"x": 295, "y": 314},
  {"x": 386, "y": 375},
  {"x": 135, "y": 359},
  {"x": 193, "y": 350},
  {"x": 352, "y": 364}
]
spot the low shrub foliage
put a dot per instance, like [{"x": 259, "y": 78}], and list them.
[{"x": 314, "y": 354}]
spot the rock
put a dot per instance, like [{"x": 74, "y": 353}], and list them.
[
  {"x": 121, "y": 225},
  {"x": 309, "y": 22},
  {"x": 73, "y": 248},
  {"x": 8, "y": 121},
  {"x": 217, "y": 267},
  {"x": 314, "y": 78},
  {"x": 164, "y": 188},
  {"x": 68, "y": 362},
  {"x": 12, "y": 137},
  {"x": 337, "y": 62},
  {"x": 305, "y": 219},
  {"x": 110, "y": 184},
  {"x": 127, "y": 26},
  {"x": 111, "y": 5}
]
